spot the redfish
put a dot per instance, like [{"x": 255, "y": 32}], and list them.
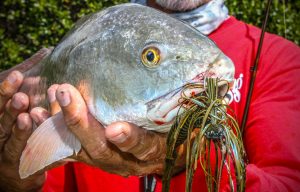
[{"x": 135, "y": 61}]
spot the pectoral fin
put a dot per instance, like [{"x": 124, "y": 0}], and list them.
[{"x": 50, "y": 142}]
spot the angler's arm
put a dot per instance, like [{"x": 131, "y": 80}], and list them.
[{"x": 272, "y": 133}]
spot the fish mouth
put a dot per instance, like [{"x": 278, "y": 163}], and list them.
[{"x": 163, "y": 110}]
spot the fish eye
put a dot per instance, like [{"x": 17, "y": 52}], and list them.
[{"x": 151, "y": 57}]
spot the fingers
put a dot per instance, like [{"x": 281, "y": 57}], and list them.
[
  {"x": 143, "y": 144},
  {"x": 19, "y": 103},
  {"x": 31, "y": 86},
  {"x": 39, "y": 115},
  {"x": 17, "y": 141},
  {"x": 9, "y": 87},
  {"x": 54, "y": 106}
]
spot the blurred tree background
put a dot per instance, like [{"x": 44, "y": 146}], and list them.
[{"x": 28, "y": 25}]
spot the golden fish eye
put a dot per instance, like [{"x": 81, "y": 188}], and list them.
[{"x": 151, "y": 57}]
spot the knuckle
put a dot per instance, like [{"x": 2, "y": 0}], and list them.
[
  {"x": 73, "y": 120},
  {"x": 101, "y": 151},
  {"x": 7, "y": 90},
  {"x": 9, "y": 156},
  {"x": 3, "y": 134},
  {"x": 154, "y": 150},
  {"x": 4, "y": 92},
  {"x": 148, "y": 155},
  {"x": 7, "y": 120},
  {"x": 9, "y": 113}
]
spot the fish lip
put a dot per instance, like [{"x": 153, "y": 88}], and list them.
[
  {"x": 163, "y": 110},
  {"x": 199, "y": 79},
  {"x": 169, "y": 94}
]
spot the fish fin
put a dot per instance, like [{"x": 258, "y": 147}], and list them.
[{"x": 50, "y": 142}]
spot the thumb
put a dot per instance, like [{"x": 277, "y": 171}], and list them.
[
  {"x": 77, "y": 117},
  {"x": 73, "y": 107}
]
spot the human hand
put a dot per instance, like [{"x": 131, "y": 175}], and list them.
[
  {"x": 15, "y": 129},
  {"x": 121, "y": 148}
]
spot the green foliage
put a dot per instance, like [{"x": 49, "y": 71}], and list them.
[
  {"x": 28, "y": 25},
  {"x": 284, "y": 17}
]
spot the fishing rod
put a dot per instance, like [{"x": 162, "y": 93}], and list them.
[{"x": 254, "y": 68}]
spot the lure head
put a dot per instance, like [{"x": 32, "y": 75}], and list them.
[{"x": 135, "y": 61}]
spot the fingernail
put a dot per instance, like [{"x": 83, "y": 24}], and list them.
[
  {"x": 63, "y": 97},
  {"x": 39, "y": 115},
  {"x": 12, "y": 78},
  {"x": 119, "y": 138},
  {"x": 35, "y": 119},
  {"x": 21, "y": 126},
  {"x": 17, "y": 104}
]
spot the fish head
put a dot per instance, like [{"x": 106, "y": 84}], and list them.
[{"x": 135, "y": 61}]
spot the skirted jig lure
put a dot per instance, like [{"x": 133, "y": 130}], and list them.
[{"x": 207, "y": 126}]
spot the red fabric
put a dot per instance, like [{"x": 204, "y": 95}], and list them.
[
  {"x": 55, "y": 181},
  {"x": 273, "y": 129}
]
